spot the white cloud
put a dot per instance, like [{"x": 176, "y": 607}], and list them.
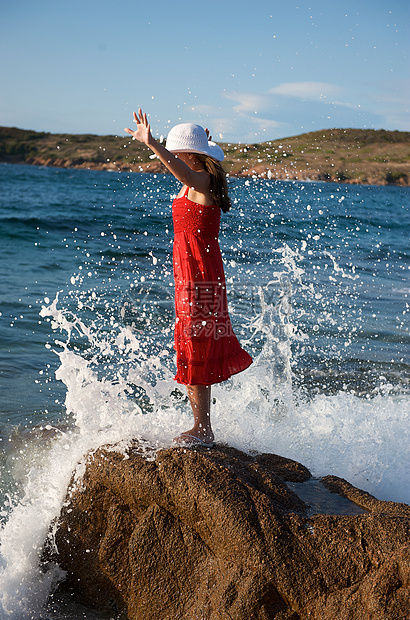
[
  {"x": 235, "y": 126},
  {"x": 293, "y": 108},
  {"x": 314, "y": 91}
]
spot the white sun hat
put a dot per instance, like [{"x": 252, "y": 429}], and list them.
[{"x": 191, "y": 138}]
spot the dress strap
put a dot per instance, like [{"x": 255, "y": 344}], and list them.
[{"x": 186, "y": 191}]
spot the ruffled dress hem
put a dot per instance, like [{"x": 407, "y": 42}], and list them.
[{"x": 192, "y": 373}]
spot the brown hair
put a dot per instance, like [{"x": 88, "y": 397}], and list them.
[{"x": 219, "y": 186}]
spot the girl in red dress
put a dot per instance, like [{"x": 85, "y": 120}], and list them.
[{"x": 207, "y": 350}]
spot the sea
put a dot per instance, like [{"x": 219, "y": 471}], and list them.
[{"x": 319, "y": 292}]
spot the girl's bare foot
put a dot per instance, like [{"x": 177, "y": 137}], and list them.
[
  {"x": 204, "y": 437},
  {"x": 192, "y": 440}
]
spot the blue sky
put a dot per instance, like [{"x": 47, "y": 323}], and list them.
[{"x": 250, "y": 71}]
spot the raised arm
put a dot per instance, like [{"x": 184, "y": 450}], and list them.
[{"x": 198, "y": 180}]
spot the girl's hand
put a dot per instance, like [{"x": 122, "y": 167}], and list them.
[
  {"x": 143, "y": 131},
  {"x": 199, "y": 180}
]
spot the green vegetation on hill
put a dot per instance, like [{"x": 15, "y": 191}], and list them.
[
  {"x": 19, "y": 145},
  {"x": 344, "y": 155},
  {"x": 350, "y": 155}
]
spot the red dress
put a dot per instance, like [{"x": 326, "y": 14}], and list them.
[{"x": 207, "y": 349}]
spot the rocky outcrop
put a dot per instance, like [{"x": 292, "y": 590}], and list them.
[
  {"x": 155, "y": 167},
  {"x": 218, "y": 534},
  {"x": 366, "y": 174}
]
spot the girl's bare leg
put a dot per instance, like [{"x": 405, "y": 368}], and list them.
[{"x": 200, "y": 399}]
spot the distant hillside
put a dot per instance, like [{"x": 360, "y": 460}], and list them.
[{"x": 343, "y": 155}]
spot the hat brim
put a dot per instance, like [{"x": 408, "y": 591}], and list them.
[{"x": 213, "y": 150}]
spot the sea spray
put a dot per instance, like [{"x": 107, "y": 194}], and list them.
[{"x": 24, "y": 587}]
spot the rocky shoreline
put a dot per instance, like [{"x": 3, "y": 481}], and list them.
[
  {"x": 217, "y": 533},
  {"x": 374, "y": 176},
  {"x": 350, "y": 156}
]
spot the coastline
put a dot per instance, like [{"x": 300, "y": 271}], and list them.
[
  {"x": 261, "y": 171},
  {"x": 351, "y": 156}
]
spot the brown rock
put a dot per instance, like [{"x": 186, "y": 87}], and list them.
[
  {"x": 363, "y": 499},
  {"x": 212, "y": 534}
]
